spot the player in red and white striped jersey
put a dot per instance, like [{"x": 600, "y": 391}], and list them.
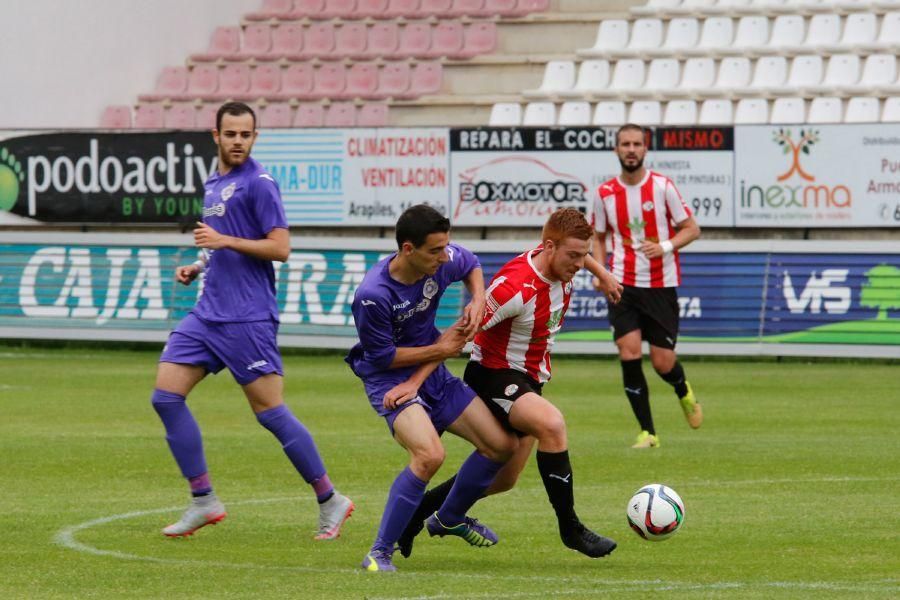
[
  {"x": 525, "y": 306},
  {"x": 647, "y": 221}
]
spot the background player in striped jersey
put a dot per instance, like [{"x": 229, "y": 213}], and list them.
[
  {"x": 526, "y": 304},
  {"x": 648, "y": 222},
  {"x": 400, "y": 357}
]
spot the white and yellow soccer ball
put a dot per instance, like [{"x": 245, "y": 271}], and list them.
[{"x": 655, "y": 512}]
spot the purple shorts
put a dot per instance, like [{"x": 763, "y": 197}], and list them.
[
  {"x": 443, "y": 396},
  {"x": 249, "y": 350}
]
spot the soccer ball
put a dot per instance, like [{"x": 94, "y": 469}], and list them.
[{"x": 655, "y": 512}]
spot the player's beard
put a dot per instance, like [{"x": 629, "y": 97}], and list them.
[
  {"x": 631, "y": 168},
  {"x": 230, "y": 161}
]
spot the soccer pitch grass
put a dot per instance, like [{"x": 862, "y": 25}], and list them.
[{"x": 790, "y": 488}]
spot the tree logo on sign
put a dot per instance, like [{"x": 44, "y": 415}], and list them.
[{"x": 785, "y": 139}]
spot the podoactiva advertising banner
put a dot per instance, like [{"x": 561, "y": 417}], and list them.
[
  {"x": 518, "y": 176},
  {"x": 356, "y": 176},
  {"x": 817, "y": 176},
  {"x": 125, "y": 178}
]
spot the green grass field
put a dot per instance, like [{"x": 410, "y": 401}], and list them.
[{"x": 790, "y": 488}]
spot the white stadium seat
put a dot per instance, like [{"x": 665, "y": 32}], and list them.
[
  {"x": 751, "y": 111},
  {"x": 680, "y": 112},
  {"x": 862, "y": 110},
  {"x": 769, "y": 73},
  {"x": 646, "y": 112},
  {"x": 717, "y": 35},
  {"x": 693, "y": 7},
  {"x": 716, "y": 112},
  {"x": 559, "y": 76},
  {"x": 663, "y": 75},
  {"x": 612, "y": 34},
  {"x": 540, "y": 114},
  {"x": 879, "y": 72},
  {"x": 646, "y": 35},
  {"x": 734, "y": 74},
  {"x": 824, "y": 33},
  {"x": 786, "y": 31},
  {"x": 788, "y": 110},
  {"x": 841, "y": 73},
  {"x": 752, "y": 32},
  {"x": 628, "y": 75},
  {"x": 505, "y": 114},
  {"x": 681, "y": 34},
  {"x": 655, "y": 7},
  {"x": 806, "y": 71},
  {"x": 609, "y": 113},
  {"x": 699, "y": 74},
  {"x": 888, "y": 35},
  {"x": 860, "y": 30},
  {"x": 593, "y": 76},
  {"x": 891, "y": 112},
  {"x": 574, "y": 114},
  {"x": 825, "y": 110}
]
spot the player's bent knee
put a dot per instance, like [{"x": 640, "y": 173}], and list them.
[{"x": 428, "y": 461}]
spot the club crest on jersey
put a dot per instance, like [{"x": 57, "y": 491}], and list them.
[
  {"x": 227, "y": 191},
  {"x": 647, "y": 206},
  {"x": 568, "y": 288},
  {"x": 555, "y": 318},
  {"x": 511, "y": 389},
  {"x": 430, "y": 288}
]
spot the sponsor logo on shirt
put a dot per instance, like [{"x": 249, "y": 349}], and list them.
[
  {"x": 227, "y": 191},
  {"x": 216, "y": 210},
  {"x": 555, "y": 318},
  {"x": 402, "y": 305}
]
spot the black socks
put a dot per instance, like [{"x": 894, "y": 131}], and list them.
[
  {"x": 638, "y": 394},
  {"x": 556, "y": 471},
  {"x": 675, "y": 378}
]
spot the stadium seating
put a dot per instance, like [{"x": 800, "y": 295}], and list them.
[
  {"x": 863, "y": 110},
  {"x": 340, "y": 114},
  {"x": 716, "y": 112},
  {"x": 506, "y": 114},
  {"x": 224, "y": 43},
  {"x": 891, "y": 112},
  {"x": 116, "y": 117},
  {"x": 825, "y": 110},
  {"x": 275, "y": 114},
  {"x": 372, "y": 114},
  {"x": 171, "y": 83},
  {"x": 751, "y": 111},
  {"x": 609, "y": 113},
  {"x": 539, "y": 114},
  {"x": 148, "y": 116},
  {"x": 645, "y": 112},
  {"x": 180, "y": 116},
  {"x": 788, "y": 110},
  {"x": 680, "y": 112},
  {"x": 574, "y": 114},
  {"x": 309, "y": 114}
]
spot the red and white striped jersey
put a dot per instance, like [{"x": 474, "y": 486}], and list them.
[
  {"x": 524, "y": 311},
  {"x": 649, "y": 210}
]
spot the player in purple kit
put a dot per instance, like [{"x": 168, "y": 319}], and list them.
[
  {"x": 400, "y": 357},
  {"x": 234, "y": 324}
]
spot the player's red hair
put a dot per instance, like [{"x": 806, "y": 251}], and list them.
[{"x": 566, "y": 223}]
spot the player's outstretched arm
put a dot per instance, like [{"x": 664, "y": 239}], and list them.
[{"x": 275, "y": 246}]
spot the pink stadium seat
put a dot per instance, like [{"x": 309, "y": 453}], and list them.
[
  {"x": 529, "y": 6},
  {"x": 426, "y": 79},
  {"x": 310, "y": 114},
  {"x": 362, "y": 81},
  {"x": 335, "y": 9},
  {"x": 384, "y": 38},
  {"x": 257, "y": 42},
  {"x": 466, "y": 8},
  {"x": 148, "y": 116},
  {"x": 225, "y": 42},
  {"x": 403, "y": 8},
  {"x": 171, "y": 83},
  {"x": 371, "y": 8},
  {"x": 265, "y": 81},
  {"x": 116, "y": 117},
  {"x": 318, "y": 42},
  {"x": 206, "y": 116},
  {"x": 180, "y": 116},
  {"x": 436, "y": 8},
  {"x": 275, "y": 114},
  {"x": 349, "y": 41},
  {"x": 340, "y": 114},
  {"x": 393, "y": 80},
  {"x": 480, "y": 38},
  {"x": 203, "y": 81},
  {"x": 330, "y": 80},
  {"x": 297, "y": 82},
  {"x": 415, "y": 40},
  {"x": 372, "y": 115},
  {"x": 272, "y": 9},
  {"x": 307, "y": 9},
  {"x": 287, "y": 41},
  {"x": 234, "y": 81},
  {"x": 446, "y": 39},
  {"x": 503, "y": 8}
]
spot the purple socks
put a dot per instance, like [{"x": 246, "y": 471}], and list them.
[
  {"x": 403, "y": 499},
  {"x": 298, "y": 445},
  {"x": 474, "y": 477},
  {"x": 183, "y": 436}
]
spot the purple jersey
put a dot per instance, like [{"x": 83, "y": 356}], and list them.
[
  {"x": 245, "y": 203},
  {"x": 389, "y": 314}
]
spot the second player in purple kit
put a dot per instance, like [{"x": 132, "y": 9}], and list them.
[
  {"x": 400, "y": 357},
  {"x": 235, "y": 324}
]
